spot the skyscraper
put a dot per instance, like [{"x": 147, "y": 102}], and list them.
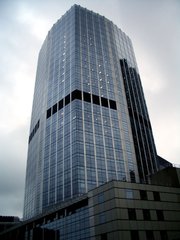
[{"x": 89, "y": 120}]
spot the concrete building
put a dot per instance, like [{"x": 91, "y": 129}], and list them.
[
  {"x": 169, "y": 176},
  {"x": 7, "y": 222},
  {"x": 116, "y": 210},
  {"x": 163, "y": 163}
]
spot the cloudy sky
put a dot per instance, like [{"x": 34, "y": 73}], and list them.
[{"x": 153, "y": 27}]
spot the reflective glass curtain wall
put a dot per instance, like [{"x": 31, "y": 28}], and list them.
[{"x": 80, "y": 134}]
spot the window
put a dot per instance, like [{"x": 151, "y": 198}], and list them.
[
  {"x": 160, "y": 215},
  {"x": 101, "y": 198},
  {"x": 112, "y": 104},
  {"x": 163, "y": 235},
  {"x": 132, "y": 214},
  {"x": 104, "y": 102},
  {"x": 104, "y": 236},
  {"x": 132, "y": 176},
  {"x": 129, "y": 193},
  {"x": 48, "y": 113},
  {"x": 156, "y": 196},
  {"x": 67, "y": 99},
  {"x": 143, "y": 195},
  {"x": 102, "y": 218},
  {"x": 54, "y": 108},
  {"x": 146, "y": 214},
  {"x": 76, "y": 95},
  {"x": 87, "y": 97},
  {"x": 149, "y": 235},
  {"x": 134, "y": 235},
  {"x": 60, "y": 104},
  {"x": 95, "y": 99}
]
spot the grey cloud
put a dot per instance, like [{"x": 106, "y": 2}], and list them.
[
  {"x": 154, "y": 29},
  {"x": 12, "y": 171}
]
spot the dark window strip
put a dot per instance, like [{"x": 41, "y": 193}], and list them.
[
  {"x": 60, "y": 104},
  {"x": 104, "y": 102},
  {"x": 96, "y": 99},
  {"x": 76, "y": 94},
  {"x": 87, "y": 97},
  {"x": 131, "y": 103},
  {"x": 48, "y": 113},
  {"x": 112, "y": 104},
  {"x": 54, "y": 108},
  {"x": 34, "y": 131},
  {"x": 67, "y": 99}
]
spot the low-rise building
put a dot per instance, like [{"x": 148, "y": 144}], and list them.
[
  {"x": 7, "y": 222},
  {"x": 115, "y": 210}
]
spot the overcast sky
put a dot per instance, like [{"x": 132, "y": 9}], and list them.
[{"x": 154, "y": 28}]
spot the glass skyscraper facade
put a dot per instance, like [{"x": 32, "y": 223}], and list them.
[{"x": 89, "y": 120}]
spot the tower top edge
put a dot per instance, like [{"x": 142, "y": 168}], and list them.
[{"x": 76, "y": 6}]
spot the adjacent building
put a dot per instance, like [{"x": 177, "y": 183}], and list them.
[
  {"x": 7, "y": 222},
  {"x": 169, "y": 176},
  {"x": 115, "y": 210},
  {"x": 90, "y": 123}
]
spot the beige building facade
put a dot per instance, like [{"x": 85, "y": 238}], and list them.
[
  {"x": 133, "y": 211},
  {"x": 114, "y": 211}
]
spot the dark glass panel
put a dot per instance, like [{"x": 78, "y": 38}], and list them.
[
  {"x": 95, "y": 99},
  {"x": 87, "y": 97},
  {"x": 112, "y": 104},
  {"x": 54, "y": 108},
  {"x": 60, "y": 104},
  {"x": 48, "y": 113},
  {"x": 104, "y": 102},
  {"x": 67, "y": 99}
]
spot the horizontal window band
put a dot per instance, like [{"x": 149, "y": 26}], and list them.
[
  {"x": 84, "y": 96},
  {"x": 54, "y": 108},
  {"x": 60, "y": 104}
]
